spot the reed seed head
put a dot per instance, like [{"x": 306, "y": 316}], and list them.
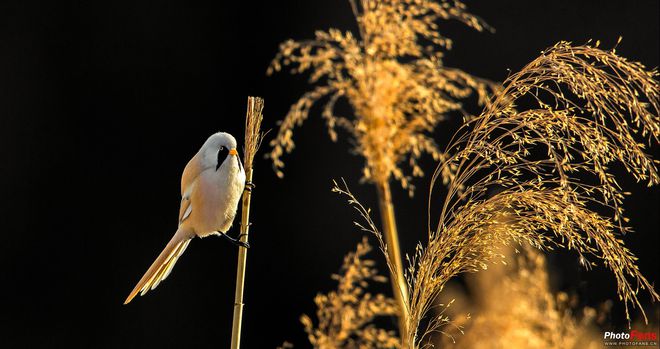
[
  {"x": 253, "y": 134},
  {"x": 393, "y": 77},
  {"x": 346, "y": 316},
  {"x": 585, "y": 111}
]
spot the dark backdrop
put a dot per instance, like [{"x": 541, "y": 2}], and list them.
[{"x": 102, "y": 104}]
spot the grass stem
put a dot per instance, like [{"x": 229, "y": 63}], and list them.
[
  {"x": 253, "y": 138},
  {"x": 399, "y": 287}
]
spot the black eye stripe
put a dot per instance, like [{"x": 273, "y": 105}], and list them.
[{"x": 223, "y": 152}]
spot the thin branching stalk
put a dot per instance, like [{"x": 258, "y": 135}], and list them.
[
  {"x": 253, "y": 137},
  {"x": 370, "y": 227}
]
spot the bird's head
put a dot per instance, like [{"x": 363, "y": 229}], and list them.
[{"x": 217, "y": 149}]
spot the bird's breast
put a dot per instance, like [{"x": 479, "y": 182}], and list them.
[{"x": 219, "y": 194}]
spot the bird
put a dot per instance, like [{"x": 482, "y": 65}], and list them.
[{"x": 211, "y": 187}]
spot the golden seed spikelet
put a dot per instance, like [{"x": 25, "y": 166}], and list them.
[
  {"x": 393, "y": 77},
  {"x": 345, "y": 316}
]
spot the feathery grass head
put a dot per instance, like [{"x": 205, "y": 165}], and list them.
[
  {"x": 345, "y": 316},
  {"x": 368, "y": 226},
  {"x": 550, "y": 163},
  {"x": 253, "y": 134},
  {"x": 393, "y": 77},
  {"x": 515, "y": 301}
]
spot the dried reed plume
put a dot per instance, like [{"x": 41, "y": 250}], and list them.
[
  {"x": 253, "y": 138},
  {"x": 550, "y": 162},
  {"x": 393, "y": 77},
  {"x": 515, "y": 302},
  {"x": 253, "y": 134},
  {"x": 345, "y": 317}
]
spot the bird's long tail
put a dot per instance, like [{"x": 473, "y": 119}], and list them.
[{"x": 163, "y": 265}]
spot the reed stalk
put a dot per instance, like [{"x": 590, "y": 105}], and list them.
[
  {"x": 399, "y": 288},
  {"x": 253, "y": 137}
]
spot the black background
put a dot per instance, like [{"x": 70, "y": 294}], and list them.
[{"x": 103, "y": 103}]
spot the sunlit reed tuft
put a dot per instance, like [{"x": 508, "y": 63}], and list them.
[
  {"x": 513, "y": 306},
  {"x": 393, "y": 76},
  {"x": 253, "y": 134},
  {"x": 551, "y": 162},
  {"x": 582, "y": 110},
  {"x": 346, "y": 316}
]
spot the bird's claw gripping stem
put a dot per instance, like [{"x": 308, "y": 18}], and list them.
[
  {"x": 249, "y": 186},
  {"x": 236, "y": 242}
]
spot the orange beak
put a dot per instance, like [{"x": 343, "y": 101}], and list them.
[{"x": 233, "y": 152}]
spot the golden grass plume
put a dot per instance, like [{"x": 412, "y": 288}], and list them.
[
  {"x": 253, "y": 134},
  {"x": 345, "y": 316},
  {"x": 393, "y": 77},
  {"x": 550, "y": 163},
  {"x": 513, "y": 306}
]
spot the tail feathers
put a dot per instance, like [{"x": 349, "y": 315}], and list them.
[
  {"x": 161, "y": 268},
  {"x": 167, "y": 268}
]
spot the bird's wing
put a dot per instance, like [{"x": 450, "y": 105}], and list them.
[
  {"x": 190, "y": 174},
  {"x": 186, "y": 206},
  {"x": 188, "y": 180},
  {"x": 163, "y": 265}
]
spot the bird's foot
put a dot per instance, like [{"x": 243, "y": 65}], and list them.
[
  {"x": 243, "y": 243},
  {"x": 249, "y": 186},
  {"x": 236, "y": 242}
]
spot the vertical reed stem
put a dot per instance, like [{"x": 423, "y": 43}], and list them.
[
  {"x": 399, "y": 287},
  {"x": 252, "y": 142},
  {"x": 240, "y": 269}
]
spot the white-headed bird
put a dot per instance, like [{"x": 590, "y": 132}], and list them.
[{"x": 211, "y": 187}]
